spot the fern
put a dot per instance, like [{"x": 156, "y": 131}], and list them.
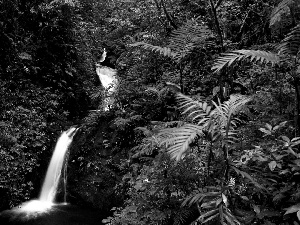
[
  {"x": 178, "y": 140},
  {"x": 162, "y": 50},
  {"x": 182, "y": 41},
  {"x": 214, "y": 125},
  {"x": 198, "y": 196},
  {"x": 283, "y": 8},
  {"x": 291, "y": 44},
  {"x": 199, "y": 112},
  {"x": 233, "y": 106},
  {"x": 231, "y": 58},
  {"x": 187, "y": 37},
  {"x": 224, "y": 113}
]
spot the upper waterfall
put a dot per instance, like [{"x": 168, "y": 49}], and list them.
[{"x": 108, "y": 78}]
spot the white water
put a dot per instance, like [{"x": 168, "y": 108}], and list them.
[
  {"x": 49, "y": 188},
  {"x": 109, "y": 81}
]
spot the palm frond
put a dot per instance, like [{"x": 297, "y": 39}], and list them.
[
  {"x": 178, "y": 140},
  {"x": 198, "y": 112},
  {"x": 291, "y": 43},
  {"x": 283, "y": 8},
  {"x": 231, "y": 58}
]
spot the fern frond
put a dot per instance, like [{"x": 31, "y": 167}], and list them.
[
  {"x": 223, "y": 114},
  {"x": 187, "y": 37},
  {"x": 233, "y": 106},
  {"x": 182, "y": 41},
  {"x": 199, "y": 112},
  {"x": 178, "y": 140},
  {"x": 283, "y": 8},
  {"x": 198, "y": 195},
  {"x": 162, "y": 50},
  {"x": 233, "y": 57},
  {"x": 291, "y": 43}
]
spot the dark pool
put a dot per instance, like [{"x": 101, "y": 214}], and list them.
[{"x": 57, "y": 215}]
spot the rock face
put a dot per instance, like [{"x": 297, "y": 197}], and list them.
[{"x": 93, "y": 167}]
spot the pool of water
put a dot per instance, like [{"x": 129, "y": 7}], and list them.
[{"x": 56, "y": 215}]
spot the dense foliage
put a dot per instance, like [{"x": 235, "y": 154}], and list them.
[{"x": 205, "y": 123}]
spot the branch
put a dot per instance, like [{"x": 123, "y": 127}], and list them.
[
  {"x": 240, "y": 33},
  {"x": 218, "y": 4},
  {"x": 169, "y": 18}
]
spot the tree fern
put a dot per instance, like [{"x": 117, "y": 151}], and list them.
[
  {"x": 231, "y": 58},
  {"x": 224, "y": 113},
  {"x": 198, "y": 112},
  {"x": 187, "y": 37},
  {"x": 291, "y": 44},
  {"x": 178, "y": 140},
  {"x": 211, "y": 124},
  {"x": 283, "y": 8},
  {"x": 182, "y": 41},
  {"x": 229, "y": 108},
  {"x": 162, "y": 50}
]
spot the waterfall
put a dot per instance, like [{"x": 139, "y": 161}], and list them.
[
  {"x": 49, "y": 188},
  {"x": 50, "y": 184}
]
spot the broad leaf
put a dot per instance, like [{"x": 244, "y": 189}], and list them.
[
  {"x": 292, "y": 209},
  {"x": 272, "y": 165}
]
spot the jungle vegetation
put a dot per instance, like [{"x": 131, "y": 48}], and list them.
[{"x": 205, "y": 128}]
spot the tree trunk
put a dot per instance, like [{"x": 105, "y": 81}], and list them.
[
  {"x": 297, "y": 105},
  {"x": 217, "y": 24}
]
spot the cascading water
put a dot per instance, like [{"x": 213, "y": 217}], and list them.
[
  {"x": 108, "y": 80},
  {"x": 49, "y": 188}
]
